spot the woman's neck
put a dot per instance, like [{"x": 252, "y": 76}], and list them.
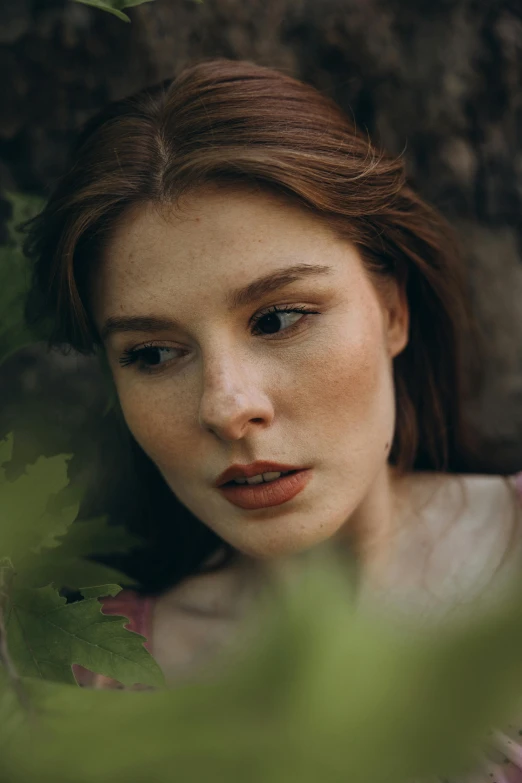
[
  {"x": 367, "y": 535},
  {"x": 372, "y": 529}
]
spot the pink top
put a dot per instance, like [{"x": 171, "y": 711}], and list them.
[{"x": 502, "y": 765}]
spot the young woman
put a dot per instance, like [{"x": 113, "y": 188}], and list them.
[{"x": 284, "y": 321}]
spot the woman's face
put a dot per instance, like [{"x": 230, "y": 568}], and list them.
[{"x": 210, "y": 378}]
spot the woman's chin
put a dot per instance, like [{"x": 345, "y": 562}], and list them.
[{"x": 287, "y": 546}]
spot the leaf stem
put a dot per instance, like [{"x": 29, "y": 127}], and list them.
[{"x": 7, "y": 663}]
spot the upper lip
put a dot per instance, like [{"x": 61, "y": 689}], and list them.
[{"x": 254, "y": 469}]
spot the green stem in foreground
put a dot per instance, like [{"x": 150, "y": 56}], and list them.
[{"x": 5, "y": 658}]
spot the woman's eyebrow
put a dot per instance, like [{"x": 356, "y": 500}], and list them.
[
  {"x": 272, "y": 282},
  {"x": 240, "y": 297}
]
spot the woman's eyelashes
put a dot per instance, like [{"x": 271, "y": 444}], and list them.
[
  {"x": 272, "y": 313},
  {"x": 147, "y": 357},
  {"x": 141, "y": 355}
]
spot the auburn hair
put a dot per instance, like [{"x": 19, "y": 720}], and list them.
[{"x": 238, "y": 124}]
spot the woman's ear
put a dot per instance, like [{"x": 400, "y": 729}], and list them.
[{"x": 396, "y": 317}]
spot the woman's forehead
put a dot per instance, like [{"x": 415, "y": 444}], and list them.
[
  {"x": 214, "y": 238},
  {"x": 236, "y": 253}
]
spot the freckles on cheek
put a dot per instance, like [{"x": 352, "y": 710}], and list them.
[
  {"x": 155, "y": 426},
  {"x": 350, "y": 373}
]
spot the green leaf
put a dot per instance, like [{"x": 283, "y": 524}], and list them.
[
  {"x": 14, "y": 285},
  {"x": 324, "y": 693},
  {"x": 37, "y": 536},
  {"x": 6, "y": 451},
  {"x": 67, "y": 564},
  {"x": 68, "y": 572},
  {"x": 15, "y": 277},
  {"x": 45, "y": 636},
  {"x": 115, "y": 6},
  {"x": 13, "y": 716},
  {"x": 25, "y": 523},
  {"x": 23, "y": 207}
]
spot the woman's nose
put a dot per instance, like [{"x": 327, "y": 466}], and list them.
[{"x": 232, "y": 402}]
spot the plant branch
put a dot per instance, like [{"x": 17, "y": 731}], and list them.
[{"x": 7, "y": 663}]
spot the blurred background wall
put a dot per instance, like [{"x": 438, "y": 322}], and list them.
[{"x": 440, "y": 81}]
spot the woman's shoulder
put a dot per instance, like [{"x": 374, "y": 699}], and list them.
[
  {"x": 467, "y": 502},
  {"x": 200, "y": 617},
  {"x": 461, "y": 540},
  {"x": 488, "y": 525},
  {"x": 187, "y": 625}
]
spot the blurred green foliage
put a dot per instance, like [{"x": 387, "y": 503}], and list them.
[
  {"x": 44, "y": 634},
  {"x": 115, "y": 6},
  {"x": 15, "y": 277},
  {"x": 323, "y": 692}
]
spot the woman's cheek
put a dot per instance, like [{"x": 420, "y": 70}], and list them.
[
  {"x": 350, "y": 371},
  {"x": 151, "y": 420}
]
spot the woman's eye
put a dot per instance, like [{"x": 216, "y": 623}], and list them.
[
  {"x": 149, "y": 356},
  {"x": 280, "y": 320},
  {"x": 152, "y": 358}
]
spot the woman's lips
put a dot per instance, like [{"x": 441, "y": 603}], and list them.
[{"x": 271, "y": 493}]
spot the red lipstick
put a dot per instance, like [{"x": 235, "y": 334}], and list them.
[{"x": 265, "y": 494}]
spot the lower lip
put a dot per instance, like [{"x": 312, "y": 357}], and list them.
[{"x": 272, "y": 493}]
